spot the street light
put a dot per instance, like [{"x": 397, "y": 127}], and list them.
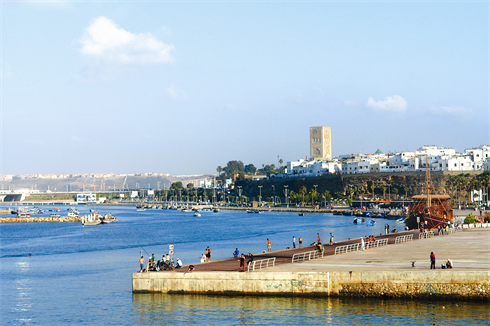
[
  {"x": 239, "y": 193},
  {"x": 286, "y": 195},
  {"x": 260, "y": 194},
  {"x": 274, "y": 196},
  {"x": 389, "y": 186},
  {"x": 314, "y": 186}
]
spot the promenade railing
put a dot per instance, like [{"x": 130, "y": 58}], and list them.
[
  {"x": 376, "y": 243},
  {"x": 263, "y": 263},
  {"x": 426, "y": 234},
  {"x": 403, "y": 238},
  {"x": 358, "y": 246},
  {"x": 309, "y": 255}
]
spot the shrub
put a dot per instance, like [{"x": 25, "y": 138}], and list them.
[
  {"x": 470, "y": 219},
  {"x": 486, "y": 217}
]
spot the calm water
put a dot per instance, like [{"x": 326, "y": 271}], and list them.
[{"x": 82, "y": 275}]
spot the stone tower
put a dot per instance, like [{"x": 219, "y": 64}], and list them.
[{"x": 320, "y": 143}]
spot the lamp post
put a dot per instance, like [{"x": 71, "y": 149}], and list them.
[
  {"x": 274, "y": 196},
  {"x": 260, "y": 194},
  {"x": 314, "y": 186},
  {"x": 389, "y": 194},
  {"x": 286, "y": 195},
  {"x": 239, "y": 193}
]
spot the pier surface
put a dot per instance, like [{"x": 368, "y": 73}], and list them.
[{"x": 385, "y": 271}]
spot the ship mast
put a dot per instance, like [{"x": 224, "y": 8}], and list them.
[{"x": 427, "y": 180}]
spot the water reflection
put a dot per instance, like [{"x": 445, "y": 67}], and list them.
[{"x": 243, "y": 310}]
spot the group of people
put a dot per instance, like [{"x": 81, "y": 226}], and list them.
[
  {"x": 448, "y": 264},
  {"x": 152, "y": 264}
]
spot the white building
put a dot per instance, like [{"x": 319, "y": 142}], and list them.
[
  {"x": 312, "y": 168},
  {"x": 86, "y": 198}
]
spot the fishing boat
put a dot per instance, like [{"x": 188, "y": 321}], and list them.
[
  {"x": 430, "y": 209},
  {"x": 54, "y": 215},
  {"x": 371, "y": 223},
  {"x": 197, "y": 214},
  {"x": 358, "y": 220},
  {"x": 400, "y": 220},
  {"x": 216, "y": 210},
  {"x": 92, "y": 219},
  {"x": 72, "y": 214},
  {"x": 301, "y": 214},
  {"x": 250, "y": 211},
  {"x": 140, "y": 209}
]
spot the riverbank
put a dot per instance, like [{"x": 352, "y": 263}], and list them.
[{"x": 380, "y": 272}]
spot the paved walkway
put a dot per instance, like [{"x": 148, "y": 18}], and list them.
[{"x": 469, "y": 250}]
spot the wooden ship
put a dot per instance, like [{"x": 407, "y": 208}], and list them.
[{"x": 429, "y": 209}]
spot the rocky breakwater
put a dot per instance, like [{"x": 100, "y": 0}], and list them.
[{"x": 40, "y": 219}]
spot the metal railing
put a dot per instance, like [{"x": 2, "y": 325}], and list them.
[
  {"x": 309, "y": 255},
  {"x": 403, "y": 238},
  {"x": 263, "y": 263},
  {"x": 358, "y": 246},
  {"x": 376, "y": 244},
  {"x": 426, "y": 234}
]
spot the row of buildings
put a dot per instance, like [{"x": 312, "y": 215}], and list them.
[{"x": 436, "y": 158}]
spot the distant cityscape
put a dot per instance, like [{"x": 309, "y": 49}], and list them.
[{"x": 322, "y": 163}]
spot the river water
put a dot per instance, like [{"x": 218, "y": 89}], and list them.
[{"x": 63, "y": 273}]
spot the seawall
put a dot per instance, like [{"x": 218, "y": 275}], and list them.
[{"x": 444, "y": 284}]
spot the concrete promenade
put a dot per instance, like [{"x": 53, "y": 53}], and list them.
[{"x": 378, "y": 272}]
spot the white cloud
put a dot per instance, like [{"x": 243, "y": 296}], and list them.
[
  {"x": 452, "y": 110},
  {"x": 174, "y": 93},
  {"x": 394, "y": 103},
  {"x": 110, "y": 44}
]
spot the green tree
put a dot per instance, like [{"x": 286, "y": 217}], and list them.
[
  {"x": 177, "y": 185},
  {"x": 384, "y": 191},
  {"x": 219, "y": 169},
  {"x": 250, "y": 169},
  {"x": 372, "y": 190},
  {"x": 234, "y": 167},
  {"x": 303, "y": 191}
]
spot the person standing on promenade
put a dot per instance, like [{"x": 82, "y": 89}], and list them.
[
  {"x": 294, "y": 242},
  {"x": 300, "y": 240},
  {"x": 269, "y": 247},
  {"x": 331, "y": 239},
  {"x": 142, "y": 264},
  {"x": 319, "y": 240},
  {"x": 432, "y": 261},
  {"x": 208, "y": 254},
  {"x": 242, "y": 263}
]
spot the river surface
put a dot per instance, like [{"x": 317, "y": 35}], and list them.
[{"x": 63, "y": 273}]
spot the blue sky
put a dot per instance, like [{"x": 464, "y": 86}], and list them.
[{"x": 181, "y": 88}]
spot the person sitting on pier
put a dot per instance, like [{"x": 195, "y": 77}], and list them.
[
  {"x": 250, "y": 258},
  {"x": 191, "y": 268},
  {"x": 179, "y": 263},
  {"x": 449, "y": 264},
  {"x": 236, "y": 253},
  {"x": 319, "y": 247}
]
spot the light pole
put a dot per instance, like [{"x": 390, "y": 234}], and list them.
[
  {"x": 260, "y": 194},
  {"x": 389, "y": 186},
  {"x": 274, "y": 196},
  {"x": 286, "y": 195},
  {"x": 314, "y": 186},
  {"x": 239, "y": 193}
]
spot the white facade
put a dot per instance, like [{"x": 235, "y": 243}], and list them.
[
  {"x": 311, "y": 168},
  {"x": 86, "y": 198}
]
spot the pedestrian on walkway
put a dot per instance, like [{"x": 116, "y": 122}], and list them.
[
  {"x": 242, "y": 263},
  {"x": 300, "y": 240},
  {"x": 319, "y": 240},
  {"x": 294, "y": 242},
  {"x": 269, "y": 248},
  {"x": 208, "y": 254},
  {"x": 331, "y": 239},
  {"x": 432, "y": 261}
]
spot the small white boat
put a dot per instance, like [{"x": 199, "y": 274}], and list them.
[
  {"x": 400, "y": 220},
  {"x": 54, "y": 215},
  {"x": 141, "y": 209},
  {"x": 72, "y": 214},
  {"x": 197, "y": 214}
]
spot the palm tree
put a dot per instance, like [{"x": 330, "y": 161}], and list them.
[
  {"x": 372, "y": 190},
  {"x": 406, "y": 191},
  {"x": 384, "y": 191},
  {"x": 485, "y": 183},
  {"x": 395, "y": 190},
  {"x": 280, "y": 162},
  {"x": 303, "y": 191},
  {"x": 219, "y": 169}
]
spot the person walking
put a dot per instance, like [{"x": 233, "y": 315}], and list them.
[
  {"x": 331, "y": 239},
  {"x": 294, "y": 242},
  {"x": 300, "y": 240},
  {"x": 269, "y": 247},
  {"x": 432, "y": 261},
  {"x": 319, "y": 240}
]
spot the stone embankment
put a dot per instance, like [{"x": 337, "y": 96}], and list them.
[{"x": 39, "y": 219}]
